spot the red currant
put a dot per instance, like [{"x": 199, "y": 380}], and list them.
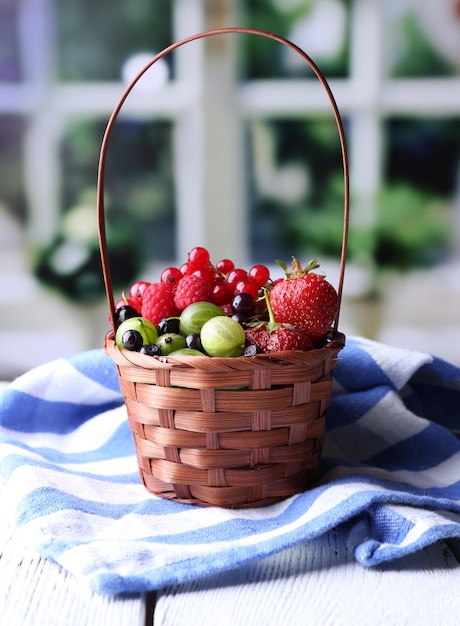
[
  {"x": 171, "y": 276},
  {"x": 186, "y": 268},
  {"x": 247, "y": 286},
  {"x": 221, "y": 293},
  {"x": 225, "y": 266},
  {"x": 199, "y": 257},
  {"x": 206, "y": 273},
  {"x": 137, "y": 289},
  {"x": 235, "y": 276},
  {"x": 260, "y": 274}
]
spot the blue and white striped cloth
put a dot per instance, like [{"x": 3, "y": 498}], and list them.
[{"x": 391, "y": 471}]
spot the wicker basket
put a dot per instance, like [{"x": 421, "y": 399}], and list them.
[{"x": 230, "y": 432}]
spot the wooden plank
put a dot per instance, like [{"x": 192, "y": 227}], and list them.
[
  {"x": 35, "y": 591},
  {"x": 320, "y": 584}
]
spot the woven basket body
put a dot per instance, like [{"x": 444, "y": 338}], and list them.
[{"x": 230, "y": 432}]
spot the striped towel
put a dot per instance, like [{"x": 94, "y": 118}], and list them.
[{"x": 390, "y": 474}]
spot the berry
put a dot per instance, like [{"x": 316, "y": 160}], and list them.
[
  {"x": 195, "y": 315},
  {"x": 136, "y": 291},
  {"x": 221, "y": 294},
  {"x": 199, "y": 257},
  {"x": 150, "y": 349},
  {"x": 170, "y": 342},
  {"x": 259, "y": 274},
  {"x": 274, "y": 337},
  {"x": 206, "y": 273},
  {"x": 193, "y": 341},
  {"x": 235, "y": 276},
  {"x": 186, "y": 268},
  {"x": 168, "y": 325},
  {"x": 247, "y": 286},
  {"x": 223, "y": 337},
  {"x": 252, "y": 350},
  {"x": 191, "y": 288},
  {"x": 226, "y": 309},
  {"x": 143, "y": 326},
  {"x": 243, "y": 304},
  {"x": 170, "y": 277},
  {"x": 277, "y": 339},
  {"x": 186, "y": 352},
  {"x": 306, "y": 300},
  {"x": 132, "y": 340},
  {"x": 225, "y": 266},
  {"x": 158, "y": 303},
  {"x": 124, "y": 312}
]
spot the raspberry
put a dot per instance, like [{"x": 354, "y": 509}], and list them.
[
  {"x": 191, "y": 288},
  {"x": 158, "y": 303}
]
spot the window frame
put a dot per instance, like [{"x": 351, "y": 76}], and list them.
[{"x": 210, "y": 186}]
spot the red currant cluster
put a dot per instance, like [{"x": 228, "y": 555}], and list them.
[{"x": 236, "y": 290}]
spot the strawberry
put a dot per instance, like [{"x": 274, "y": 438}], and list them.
[
  {"x": 274, "y": 337},
  {"x": 191, "y": 288},
  {"x": 305, "y": 299},
  {"x": 158, "y": 303}
]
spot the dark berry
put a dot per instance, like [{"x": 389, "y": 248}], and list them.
[
  {"x": 193, "y": 341},
  {"x": 151, "y": 349},
  {"x": 132, "y": 340},
  {"x": 124, "y": 312},
  {"x": 244, "y": 304},
  {"x": 252, "y": 350},
  {"x": 168, "y": 325},
  {"x": 240, "y": 318}
]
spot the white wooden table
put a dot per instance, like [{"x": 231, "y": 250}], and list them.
[{"x": 316, "y": 584}]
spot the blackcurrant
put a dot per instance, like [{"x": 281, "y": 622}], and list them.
[
  {"x": 168, "y": 325},
  {"x": 194, "y": 341},
  {"x": 243, "y": 304},
  {"x": 252, "y": 350},
  {"x": 125, "y": 312},
  {"x": 132, "y": 340},
  {"x": 238, "y": 317},
  {"x": 151, "y": 349}
]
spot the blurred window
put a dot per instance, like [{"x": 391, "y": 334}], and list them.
[{"x": 392, "y": 66}]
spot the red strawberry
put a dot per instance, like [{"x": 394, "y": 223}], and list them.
[
  {"x": 277, "y": 339},
  {"x": 273, "y": 337},
  {"x": 191, "y": 288},
  {"x": 306, "y": 300},
  {"x": 158, "y": 303}
]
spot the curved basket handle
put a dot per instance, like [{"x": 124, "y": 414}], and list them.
[{"x": 113, "y": 117}]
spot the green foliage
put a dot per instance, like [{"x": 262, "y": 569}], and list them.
[
  {"x": 419, "y": 57},
  {"x": 412, "y": 229},
  {"x": 262, "y": 58},
  {"x": 95, "y": 38}
]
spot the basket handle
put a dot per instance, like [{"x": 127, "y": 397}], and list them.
[{"x": 113, "y": 118}]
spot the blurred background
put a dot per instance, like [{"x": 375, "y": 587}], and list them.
[{"x": 229, "y": 142}]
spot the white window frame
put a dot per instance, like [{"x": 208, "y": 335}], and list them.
[{"x": 208, "y": 107}]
